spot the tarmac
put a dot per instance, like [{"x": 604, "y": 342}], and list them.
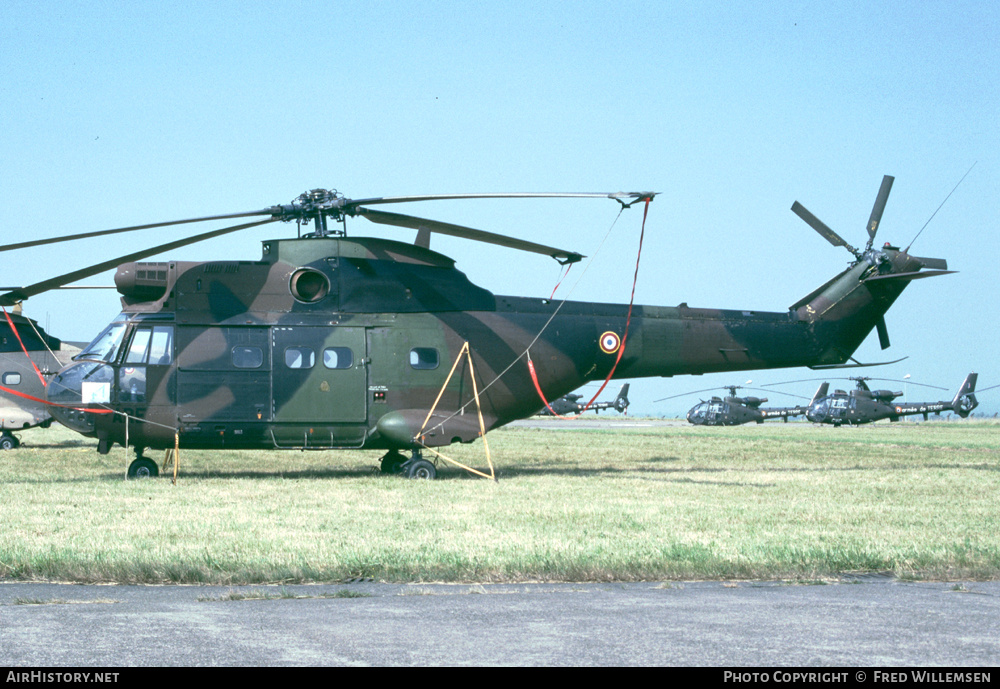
[{"x": 868, "y": 621}]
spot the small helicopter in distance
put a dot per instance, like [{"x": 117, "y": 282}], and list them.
[
  {"x": 864, "y": 405},
  {"x": 736, "y": 411},
  {"x": 332, "y": 341},
  {"x": 570, "y": 404},
  {"x": 27, "y": 355}
]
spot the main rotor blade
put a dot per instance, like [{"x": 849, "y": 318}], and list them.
[
  {"x": 876, "y": 216},
  {"x": 22, "y": 293},
  {"x": 99, "y": 233},
  {"x": 685, "y": 394},
  {"x": 425, "y": 225},
  {"x": 618, "y": 196},
  {"x": 779, "y": 392},
  {"x": 821, "y": 227},
  {"x": 933, "y": 263}
]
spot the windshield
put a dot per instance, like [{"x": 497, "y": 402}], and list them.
[
  {"x": 105, "y": 346},
  {"x": 698, "y": 412}
]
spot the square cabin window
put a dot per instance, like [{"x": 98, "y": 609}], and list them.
[
  {"x": 12, "y": 379},
  {"x": 248, "y": 357},
  {"x": 300, "y": 357},
  {"x": 424, "y": 358},
  {"x": 338, "y": 357}
]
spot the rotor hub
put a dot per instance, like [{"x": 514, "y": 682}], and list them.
[{"x": 313, "y": 205}]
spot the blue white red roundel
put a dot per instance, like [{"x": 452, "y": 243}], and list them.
[{"x": 610, "y": 342}]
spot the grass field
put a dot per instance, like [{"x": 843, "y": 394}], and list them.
[{"x": 782, "y": 501}]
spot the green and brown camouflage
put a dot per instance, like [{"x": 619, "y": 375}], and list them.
[{"x": 338, "y": 343}]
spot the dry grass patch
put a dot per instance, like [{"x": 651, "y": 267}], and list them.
[{"x": 786, "y": 501}]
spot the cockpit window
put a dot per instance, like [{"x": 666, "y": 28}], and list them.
[
  {"x": 151, "y": 345},
  {"x": 105, "y": 346}
]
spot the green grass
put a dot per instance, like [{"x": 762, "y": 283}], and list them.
[
  {"x": 283, "y": 594},
  {"x": 782, "y": 501}
]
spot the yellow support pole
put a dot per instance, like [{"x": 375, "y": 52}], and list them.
[
  {"x": 177, "y": 455},
  {"x": 465, "y": 351}
]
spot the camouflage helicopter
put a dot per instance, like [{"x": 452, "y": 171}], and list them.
[
  {"x": 27, "y": 355},
  {"x": 735, "y": 411},
  {"x": 335, "y": 341},
  {"x": 864, "y": 405},
  {"x": 570, "y": 404}
]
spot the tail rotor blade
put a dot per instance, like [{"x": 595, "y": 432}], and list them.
[
  {"x": 933, "y": 263},
  {"x": 879, "y": 207},
  {"x": 821, "y": 227},
  {"x": 883, "y": 333}
]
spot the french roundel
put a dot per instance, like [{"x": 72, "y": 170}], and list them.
[{"x": 610, "y": 342}]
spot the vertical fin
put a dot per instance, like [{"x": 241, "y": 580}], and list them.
[
  {"x": 965, "y": 401},
  {"x": 820, "y": 393}
]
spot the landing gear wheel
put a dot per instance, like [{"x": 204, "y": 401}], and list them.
[
  {"x": 392, "y": 463},
  {"x": 141, "y": 467},
  {"x": 8, "y": 442},
  {"x": 420, "y": 468}
]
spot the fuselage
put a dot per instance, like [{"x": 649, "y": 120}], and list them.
[
  {"x": 25, "y": 346},
  {"x": 338, "y": 343}
]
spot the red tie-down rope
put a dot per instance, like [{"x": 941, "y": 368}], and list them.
[
  {"x": 40, "y": 377},
  {"x": 23, "y": 348},
  {"x": 628, "y": 321},
  {"x": 561, "y": 278},
  {"x": 53, "y": 404}
]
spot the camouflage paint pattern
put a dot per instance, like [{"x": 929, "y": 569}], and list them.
[{"x": 259, "y": 350}]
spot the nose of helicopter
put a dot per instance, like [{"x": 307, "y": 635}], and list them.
[{"x": 78, "y": 386}]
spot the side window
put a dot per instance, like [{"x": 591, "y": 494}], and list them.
[
  {"x": 161, "y": 348},
  {"x": 12, "y": 379},
  {"x": 139, "y": 347},
  {"x": 299, "y": 357},
  {"x": 424, "y": 358},
  {"x": 248, "y": 357},
  {"x": 151, "y": 345},
  {"x": 338, "y": 357}
]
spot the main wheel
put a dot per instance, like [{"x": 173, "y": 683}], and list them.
[
  {"x": 8, "y": 442},
  {"x": 141, "y": 467},
  {"x": 421, "y": 468}
]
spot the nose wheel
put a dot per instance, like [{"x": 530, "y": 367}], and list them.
[
  {"x": 143, "y": 467},
  {"x": 8, "y": 441},
  {"x": 420, "y": 468}
]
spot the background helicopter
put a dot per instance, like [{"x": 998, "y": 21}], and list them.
[
  {"x": 735, "y": 411},
  {"x": 337, "y": 342},
  {"x": 27, "y": 355},
  {"x": 864, "y": 405},
  {"x": 570, "y": 404}
]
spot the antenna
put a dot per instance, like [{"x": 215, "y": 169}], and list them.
[{"x": 907, "y": 249}]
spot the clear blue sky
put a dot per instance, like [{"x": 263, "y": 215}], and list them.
[{"x": 121, "y": 113}]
